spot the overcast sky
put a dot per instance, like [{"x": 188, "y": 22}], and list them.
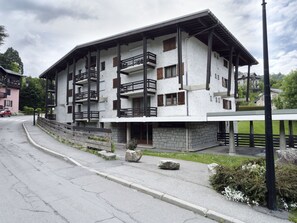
[{"x": 43, "y": 31}]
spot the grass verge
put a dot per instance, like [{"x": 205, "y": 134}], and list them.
[
  {"x": 293, "y": 216},
  {"x": 224, "y": 160}
]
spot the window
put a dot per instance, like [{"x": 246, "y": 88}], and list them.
[
  {"x": 7, "y": 103},
  {"x": 227, "y": 104},
  {"x": 69, "y": 109},
  {"x": 224, "y": 82},
  {"x": 170, "y": 71},
  {"x": 226, "y": 63},
  {"x": 102, "y": 65},
  {"x": 210, "y": 98},
  {"x": 169, "y": 44},
  {"x": 8, "y": 91},
  {"x": 171, "y": 99}
]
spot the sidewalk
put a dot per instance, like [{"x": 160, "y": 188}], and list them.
[{"x": 187, "y": 187}]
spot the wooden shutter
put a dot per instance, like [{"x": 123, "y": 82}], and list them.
[
  {"x": 159, "y": 73},
  {"x": 169, "y": 44},
  {"x": 115, "y": 105},
  {"x": 115, "y": 61},
  {"x": 69, "y": 109},
  {"x": 181, "y": 98},
  {"x": 115, "y": 83},
  {"x": 182, "y": 69},
  {"x": 160, "y": 100},
  {"x": 69, "y": 93}
]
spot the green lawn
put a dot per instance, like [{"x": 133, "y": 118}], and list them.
[
  {"x": 225, "y": 160},
  {"x": 259, "y": 127}
]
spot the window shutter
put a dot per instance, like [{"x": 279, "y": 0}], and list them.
[
  {"x": 181, "y": 98},
  {"x": 115, "y": 105},
  {"x": 69, "y": 109},
  {"x": 159, "y": 73},
  {"x": 160, "y": 100},
  {"x": 70, "y": 93},
  {"x": 115, "y": 61},
  {"x": 169, "y": 44},
  {"x": 115, "y": 83},
  {"x": 182, "y": 69}
]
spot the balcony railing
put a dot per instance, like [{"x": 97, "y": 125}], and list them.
[
  {"x": 51, "y": 102},
  {"x": 139, "y": 85},
  {"x": 51, "y": 116},
  {"x": 137, "y": 60},
  {"x": 84, "y": 76},
  {"x": 84, "y": 115},
  {"x": 138, "y": 112},
  {"x": 84, "y": 95},
  {"x": 51, "y": 87},
  {"x": 3, "y": 95}
]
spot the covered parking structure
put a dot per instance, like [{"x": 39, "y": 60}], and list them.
[{"x": 282, "y": 115}]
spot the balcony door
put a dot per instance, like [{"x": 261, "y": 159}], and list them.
[
  {"x": 137, "y": 105},
  {"x": 142, "y": 132}
]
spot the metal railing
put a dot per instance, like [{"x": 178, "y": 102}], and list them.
[
  {"x": 138, "y": 85},
  {"x": 138, "y": 112},
  {"x": 84, "y": 75},
  {"x": 136, "y": 60},
  {"x": 51, "y": 102},
  {"x": 84, "y": 115},
  {"x": 85, "y": 95}
]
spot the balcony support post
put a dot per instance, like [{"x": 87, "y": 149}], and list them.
[
  {"x": 98, "y": 78},
  {"x": 179, "y": 56},
  {"x": 248, "y": 84},
  {"x": 73, "y": 90},
  {"x": 89, "y": 84},
  {"x": 236, "y": 77},
  {"x": 208, "y": 67},
  {"x": 46, "y": 97},
  {"x": 119, "y": 80},
  {"x": 67, "y": 84},
  {"x": 56, "y": 90},
  {"x": 144, "y": 43},
  {"x": 230, "y": 70}
]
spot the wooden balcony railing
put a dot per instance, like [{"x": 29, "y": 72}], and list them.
[
  {"x": 84, "y": 75},
  {"x": 84, "y": 95},
  {"x": 84, "y": 115},
  {"x": 136, "y": 60},
  {"x": 138, "y": 112},
  {"x": 138, "y": 85}
]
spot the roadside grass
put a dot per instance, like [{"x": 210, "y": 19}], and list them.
[
  {"x": 224, "y": 160},
  {"x": 293, "y": 216},
  {"x": 259, "y": 127}
]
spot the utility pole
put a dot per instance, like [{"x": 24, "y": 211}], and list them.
[{"x": 269, "y": 151}]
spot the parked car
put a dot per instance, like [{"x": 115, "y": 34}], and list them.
[{"x": 5, "y": 112}]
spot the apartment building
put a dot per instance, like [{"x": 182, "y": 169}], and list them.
[
  {"x": 155, "y": 84},
  {"x": 10, "y": 83}
]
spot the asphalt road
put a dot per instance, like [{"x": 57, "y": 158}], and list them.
[{"x": 36, "y": 187}]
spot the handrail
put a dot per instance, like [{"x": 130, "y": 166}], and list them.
[
  {"x": 138, "y": 85},
  {"x": 138, "y": 112},
  {"x": 84, "y": 95},
  {"x": 84, "y": 75},
  {"x": 84, "y": 115}
]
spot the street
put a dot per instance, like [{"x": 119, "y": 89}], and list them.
[{"x": 36, "y": 187}]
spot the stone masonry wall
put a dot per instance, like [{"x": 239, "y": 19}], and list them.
[
  {"x": 118, "y": 132},
  {"x": 169, "y": 138},
  {"x": 202, "y": 134}
]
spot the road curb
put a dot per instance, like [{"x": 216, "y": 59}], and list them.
[{"x": 154, "y": 193}]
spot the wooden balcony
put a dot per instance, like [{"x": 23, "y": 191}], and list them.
[
  {"x": 138, "y": 112},
  {"x": 82, "y": 78},
  {"x": 83, "y": 116},
  {"x": 136, "y": 88},
  {"x": 135, "y": 63},
  {"x": 84, "y": 96}
]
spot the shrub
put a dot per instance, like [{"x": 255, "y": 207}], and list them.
[
  {"x": 246, "y": 183},
  {"x": 132, "y": 144},
  {"x": 28, "y": 110}
]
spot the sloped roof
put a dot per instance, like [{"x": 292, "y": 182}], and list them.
[
  {"x": 196, "y": 24},
  {"x": 9, "y": 71}
]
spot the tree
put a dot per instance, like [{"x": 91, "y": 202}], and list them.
[
  {"x": 11, "y": 60},
  {"x": 288, "y": 98},
  {"x": 3, "y": 34},
  {"x": 33, "y": 94}
]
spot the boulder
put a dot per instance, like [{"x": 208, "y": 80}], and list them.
[
  {"x": 168, "y": 165},
  {"x": 212, "y": 168},
  {"x": 287, "y": 156},
  {"x": 133, "y": 155}
]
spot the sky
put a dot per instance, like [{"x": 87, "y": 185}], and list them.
[{"x": 43, "y": 31}]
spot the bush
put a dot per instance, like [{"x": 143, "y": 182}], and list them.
[
  {"x": 28, "y": 110},
  {"x": 246, "y": 183},
  {"x": 132, "y": 144}
]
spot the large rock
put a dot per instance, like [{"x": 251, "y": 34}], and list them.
[
  {"x": 168, "y": 165},
  {"x": 133, "y": 155},
  {"x": 212, "y": 168},
  {"x": 287, "y": 156}
]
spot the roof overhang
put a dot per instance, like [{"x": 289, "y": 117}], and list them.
[{"x": 196, "y": 24}]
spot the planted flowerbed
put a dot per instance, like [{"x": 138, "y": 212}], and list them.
[{"x": 246, "y": 183}]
